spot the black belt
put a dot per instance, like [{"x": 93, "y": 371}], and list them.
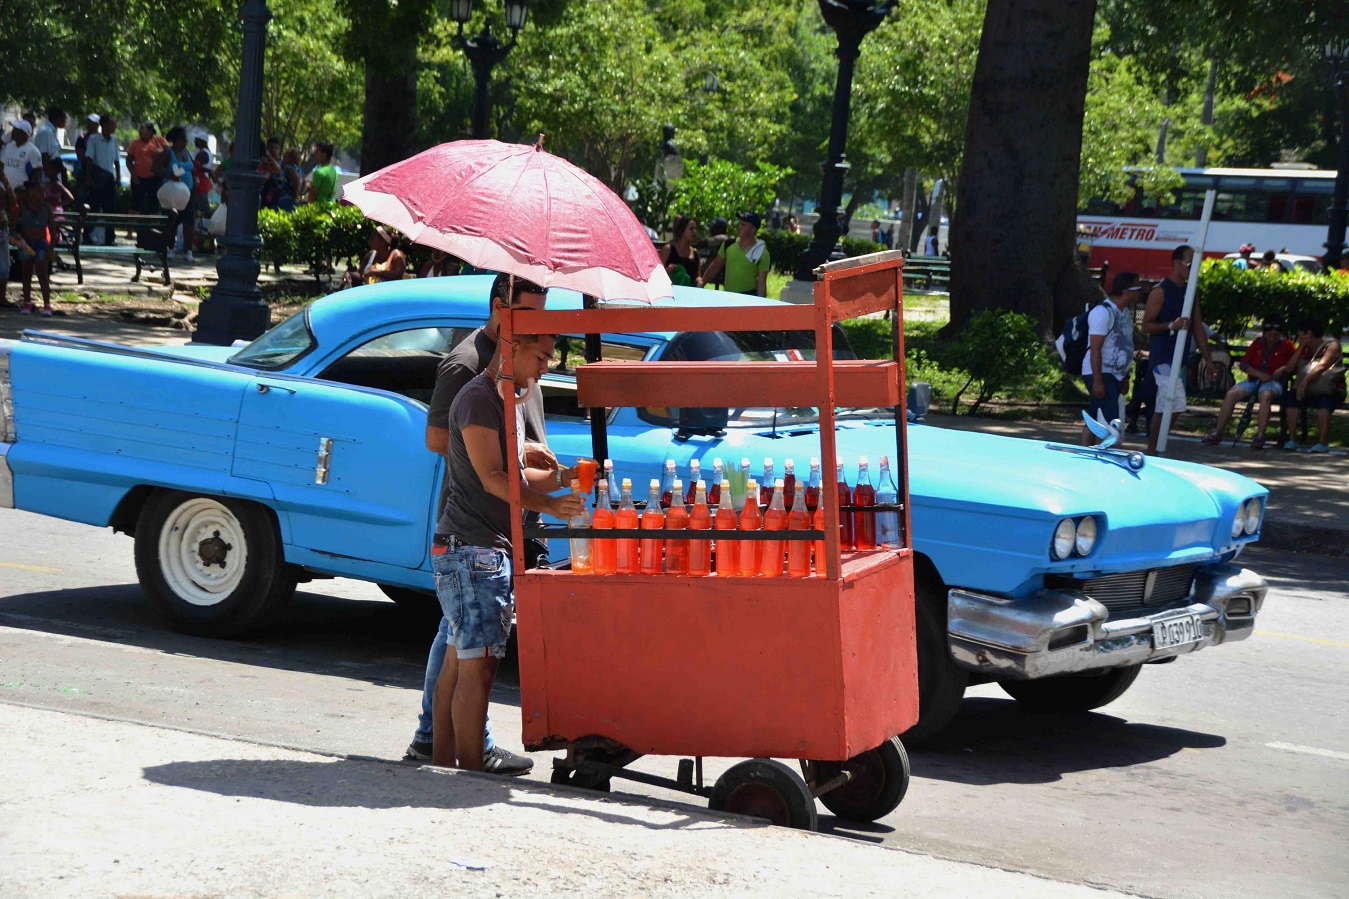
[{"x": 448, "y": 540}]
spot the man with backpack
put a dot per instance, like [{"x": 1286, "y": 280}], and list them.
[{"x": 1099, "y": 345}]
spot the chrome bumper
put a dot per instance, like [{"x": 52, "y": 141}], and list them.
[{"x": 1056, "y": 632}]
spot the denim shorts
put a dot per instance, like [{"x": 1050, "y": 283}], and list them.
[
  {"x": 1250, "y": 386},
  {"x": 1108, "y": 406},
  {"x": 473, "y": 584}
]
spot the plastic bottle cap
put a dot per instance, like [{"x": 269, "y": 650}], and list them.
[
  {"x": 627, "y": 483},
  {"x": 609, "y": 464},
  {"x": 669, "y": 464},
  {"x": 861, "y": 460},
  {"x": 678, "y": 484},
  {"x": 655, "y": 484},
  {"x": 778, "y": 484},
  {"x": 604, "y": 484},
  {"x": 701, "y": 485},
  {"x": 726, "y": 485},
  {"x": 814, "y": 462},
  {"x": 744, "y": 463},
  {"x": 885, "y": 460},
  {"x": 751, "y": 484},
  {"x": 788, "y": 464},
  {"x": 576, "y": 484}
]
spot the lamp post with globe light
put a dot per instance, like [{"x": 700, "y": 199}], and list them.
[
  {"x": 851, "y": 21},
  {"x": 235, "y": 308},
  {"x": 1337, "y": 54},
  {"x": 484, "y": 52}
]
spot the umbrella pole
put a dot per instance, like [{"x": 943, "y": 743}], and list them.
[{"x": 599, "y": 427}]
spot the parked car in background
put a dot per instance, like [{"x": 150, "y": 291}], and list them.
[
  {"x": 1054, "y": 570},
  {"x": 1291, "y": 262}
]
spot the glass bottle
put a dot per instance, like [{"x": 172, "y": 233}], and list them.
[
  {"x": 788, "y": 478},
  {"x": 616, "y": 487},
  {"x": 582, "y": 562},
  {"x": 625, "y": 519},
  {"x": 677, "y": 519},
  {"x": 766, "y": 485},
  {"x": 714, "y": 488},
  {"x": 887, "y": 523},
  {"x": 798, "y": 551},
  {"x": 695, "y": 472},
  {"x": 813, "y": 486},
  {"x": 605, "y": 550},
  {"x": 728, "y": 551},
  {"x": 666, "y": 494},
  {"x": 864, "y": 494},
  {"x": 845, "y": 536},
  {"x": 751, "y": 519},
  {"x": 774, "y": 519},
  {"x": 821, "y": 548},
  {"x": 653, "y": 519},
  {"x": 700, "y": 519}
]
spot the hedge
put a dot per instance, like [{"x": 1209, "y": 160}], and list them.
[
  {"x": 1233, "y": 299},
  {"x": 314, "y": 233},
  {"x": 785, "y": 248}
]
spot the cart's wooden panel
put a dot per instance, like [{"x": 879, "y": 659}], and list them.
[
  {"x": 719, "y": 667},
  {"x": 646, "y": 319},
  {"x": 858, "y": 383}
]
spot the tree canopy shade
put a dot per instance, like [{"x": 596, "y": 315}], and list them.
[{"x": 1012, "y": 234}]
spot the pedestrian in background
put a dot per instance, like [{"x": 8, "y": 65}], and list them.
[
  {"x": 22, "y": 160},
  {"x": 1319, "y": 384},
  {"x": 681, "y": 260},
  {"x": 141, "y": 155},
  {"x": 1110, "y": 351},
  {"x": 46, "y": 141},
  {"x": 323, "y": 180},
  {"x": 745, "y": 260},
  {"x": 1164, "y": 324},
  {"x": 103, "y": 173},
  {"x": 1266, "y": 368}
]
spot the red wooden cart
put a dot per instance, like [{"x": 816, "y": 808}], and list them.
[{"x": 821, "y": 669}]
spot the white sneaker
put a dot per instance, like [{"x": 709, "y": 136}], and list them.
[{"x": 188, "y": 257}]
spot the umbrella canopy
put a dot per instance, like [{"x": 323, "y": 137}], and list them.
[{"x": 515, "y": 208}]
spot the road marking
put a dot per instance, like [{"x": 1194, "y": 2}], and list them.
[
  {"x": 1321, "y": 640},
  {"x": 1310, "y": 750},
  {"x": 37, "y": 568}
]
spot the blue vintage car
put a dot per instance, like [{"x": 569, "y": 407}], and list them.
[{"x": 241, "y": 471}]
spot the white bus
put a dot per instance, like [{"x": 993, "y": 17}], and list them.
[{"x": 1280, "y": 209}]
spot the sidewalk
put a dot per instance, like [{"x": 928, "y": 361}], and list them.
[
  {"x": 98, "y": 807},
  {"x": 1308, "y": 508}
]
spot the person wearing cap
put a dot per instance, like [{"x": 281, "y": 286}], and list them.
[
  {"x": 22, "y": 160},
  {"x": 1110, "y": 351},
  {"x": 745, "y": 260},
  {"x": 1243, "y": 261},
  {"x": 104, "y": 171},
  {"x": 1266, "y": 368}
]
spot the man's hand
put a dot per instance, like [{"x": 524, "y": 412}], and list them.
[
  {"x": 539, "y": 456},
  {"x": 1212, "y": 368},
  {"x": 1179, "y": 324},
  {"x": 566, "y": 506},
  {"x": 1098, "y": 387}
]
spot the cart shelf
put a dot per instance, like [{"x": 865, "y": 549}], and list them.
[{"x": 857, "y": 383}]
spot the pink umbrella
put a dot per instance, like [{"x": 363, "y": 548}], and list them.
[{"x": 514, "y": 208}]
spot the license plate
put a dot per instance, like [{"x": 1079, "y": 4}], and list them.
[{"x": 1177, "y": 632}]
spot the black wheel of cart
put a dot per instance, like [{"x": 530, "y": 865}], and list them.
[
  {"x": 582, "y": 779},
  {"x": 765, "y": 789},
  {"x": 880, "y": 778}
]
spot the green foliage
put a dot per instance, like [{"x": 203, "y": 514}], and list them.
[
  {"x": 1232, "y": 298},
  {"x": 722, "y": 188},
  {"x": 998, "y": 351},
  {"x": 785, "y": 249},
  {"x": 653, "y": 204},
  {"x": 312, "y": 233}
]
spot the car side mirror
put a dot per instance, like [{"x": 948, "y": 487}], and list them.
[{"x": 919, "y": 399}]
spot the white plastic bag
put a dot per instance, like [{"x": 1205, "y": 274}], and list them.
[
  {"x": 216, "y": 226},
  {"x": 174, "y": 195}
]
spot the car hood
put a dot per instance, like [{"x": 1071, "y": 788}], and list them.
[{"x": 1003, "y": 496}]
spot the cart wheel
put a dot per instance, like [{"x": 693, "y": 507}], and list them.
[
  {"x": 765, "y": 789},
  {"x": 580, "y": 779},
  {"x": 880, "y": 778}
]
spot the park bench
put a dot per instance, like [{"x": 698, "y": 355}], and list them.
[
  {"x": 153, "y": 231},
  {"x": 927, "y": 273}
]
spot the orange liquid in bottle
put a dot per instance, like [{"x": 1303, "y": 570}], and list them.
[
  {"x": 653, "y": 519},
  {"x": 817, "y": 523},
  {"x": 798, "y": 551},
  {"x": 864, "y": 523},
  {"x": 751, "y": 519},
  {"x": 770, "y": 564},
  {"x": 605, "y": 552},
  {"x": 625, "y": 519},
  {"x": 845, "y": 533},
  {"x": 676, "y": 551},
  {"x": 700, "y": 551},
  {"x": 728, "y": 551}
]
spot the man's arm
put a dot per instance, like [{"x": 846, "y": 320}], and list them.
[
  {"x": 1097, "y": 376},
  {"x": 714, "y": 268},
  {"x": 484, "y": 451},
  {"x": 438, "y": 439}
]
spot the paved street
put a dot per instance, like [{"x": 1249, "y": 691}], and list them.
[{"x": 1221, "y": 775}]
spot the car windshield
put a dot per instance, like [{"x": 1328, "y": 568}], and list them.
[
  {"x": 753, "y": 346},
  {"x": 280, "y": 346}
]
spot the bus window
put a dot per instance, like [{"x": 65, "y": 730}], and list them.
[
  {"x": 1189, "y": 205},
  {"x": 1311, "y": 210}
]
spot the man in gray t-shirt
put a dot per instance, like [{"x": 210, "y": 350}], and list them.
[{"x": 467, "y": 360}]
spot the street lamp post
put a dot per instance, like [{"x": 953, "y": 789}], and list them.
[
  {"x": 851, "y": 21},
  {"x": 484, "y": 52},
  {"x": 235, "y": 309},
  {"x": 1337, "y": 54}
]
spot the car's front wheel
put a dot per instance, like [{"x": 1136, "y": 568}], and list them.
[
  {"x": 213, "y": 566},
  {"x": 941, "y": 683},
  {"x": 1072, "y": 694}
]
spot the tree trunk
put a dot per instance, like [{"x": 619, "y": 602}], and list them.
[
  {"x": 389, "y": 121},
  {"x": 1012, "y": 237}
]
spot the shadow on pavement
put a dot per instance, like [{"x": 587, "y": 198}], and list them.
[
  {"x": 378, "y": 642},
  {"x": 991, "y": 741},
  {"x": 380, "y": 785}
]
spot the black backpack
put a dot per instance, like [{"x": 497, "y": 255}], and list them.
[{"x": 1073, "y": 342}]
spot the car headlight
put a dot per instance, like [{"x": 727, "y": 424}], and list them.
[
  {"x": 1239, "y": 521},
  {"x": 1251, "y": 515},
  {"x": 1065, "y": 537},
  {"x": 1086, "y": 536}
]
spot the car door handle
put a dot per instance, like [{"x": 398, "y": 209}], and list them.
[{"x": 268, "y": 388}]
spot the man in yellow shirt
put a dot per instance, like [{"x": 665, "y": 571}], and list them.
[{"x": 746, "y": 260}]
